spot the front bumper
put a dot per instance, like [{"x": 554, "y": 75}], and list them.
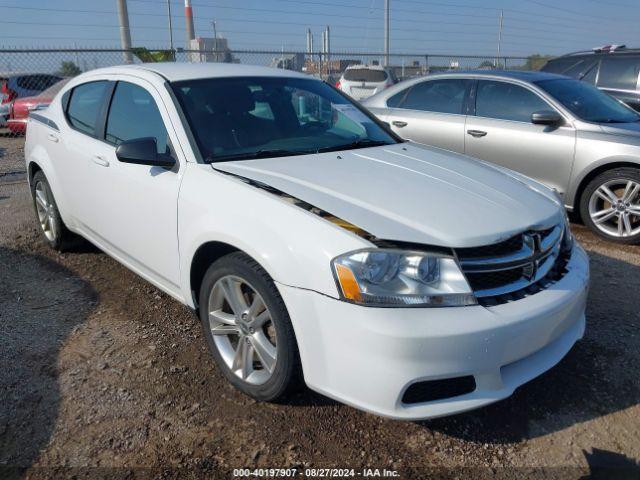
[{"x": 368, "y": 357}]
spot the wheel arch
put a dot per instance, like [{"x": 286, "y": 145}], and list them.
[
  {"x": 32, "y": 169},
  {"x": 203, "y": 257}
]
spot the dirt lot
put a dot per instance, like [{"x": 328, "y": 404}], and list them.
[{"x": 102, "y": 375}]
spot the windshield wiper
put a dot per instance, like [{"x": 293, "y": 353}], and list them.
[
  {"x": 360, "y": 143},
  {"x": 254, "y": 155}
]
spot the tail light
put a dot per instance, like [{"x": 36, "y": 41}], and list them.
[
  {"x": 11, "y": 110},
  {"x": 338, "y": 84},
  {"x": 6, "y": 94}
]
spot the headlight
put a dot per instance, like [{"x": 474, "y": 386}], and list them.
[{"x": 388, "y": 278}]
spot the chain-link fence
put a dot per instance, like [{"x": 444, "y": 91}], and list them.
[{"x": 29, "y": 78}]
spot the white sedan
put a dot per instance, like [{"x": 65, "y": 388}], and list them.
[{"x": 315, "y": 245}]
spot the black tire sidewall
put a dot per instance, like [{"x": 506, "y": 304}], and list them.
[
  {"x": 632, "y": 174},
  {"x": 58, "y": 242},
  {"x": 286, "y": 374}
]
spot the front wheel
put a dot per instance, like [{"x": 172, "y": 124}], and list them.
[
  {"x": 610, "y": 205},
  {"x": 248, "y": 329}
]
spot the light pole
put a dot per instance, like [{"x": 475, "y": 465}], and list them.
[
  {"x": 170, "y": 28},
  {"x": 500, "y": 38},
  {"x": 386, "y": 33}
]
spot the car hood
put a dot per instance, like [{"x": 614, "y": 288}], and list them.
[{"x": 410, "y": 193}]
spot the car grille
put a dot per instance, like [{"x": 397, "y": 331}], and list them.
[{"x": 517, "y": 267}]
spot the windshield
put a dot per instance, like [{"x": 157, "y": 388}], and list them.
[
  {"x": 587, "y": 102},
  {"x": 245, "y": 117}
]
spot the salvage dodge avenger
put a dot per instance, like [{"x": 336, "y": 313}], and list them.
[{"x": 315, "y": 245}]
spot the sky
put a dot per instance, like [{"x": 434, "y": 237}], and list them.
[{"x": 417, "y": 26}]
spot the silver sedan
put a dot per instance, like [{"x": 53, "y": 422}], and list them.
[{"x": 562, "y": 132}]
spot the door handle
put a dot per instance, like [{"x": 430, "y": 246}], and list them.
[
  {"x": 100, "y": 160},
  {"x": 399, "y": 124},
  {"x": 53, "y": 138},
  {"x": 476, "y": 133}
]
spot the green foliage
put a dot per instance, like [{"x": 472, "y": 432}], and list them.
[
  {"x": 147, "y": 56},
  {"x": 69, "y": 69},
  {"x": 487, "y": 64},
  {"x": 536, "y": 61}
]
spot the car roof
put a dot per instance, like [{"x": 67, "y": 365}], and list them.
[
  {"x": 361, "y": 66},
  {"x": 523, "y": 75},
  {"x": 177, "y": 71},
  {"x": 590, "y": 53}
]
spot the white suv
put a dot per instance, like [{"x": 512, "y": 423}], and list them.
[
  {"x": 314, "y": 244},
  {"x": 362, "y": 81}
]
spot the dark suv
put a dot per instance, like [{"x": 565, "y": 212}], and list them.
[{"x": 614, "y": 69}]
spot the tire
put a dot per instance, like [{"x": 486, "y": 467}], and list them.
[
  {"x": 610, "y": 205},
  {"x": 53, "y": 230},
  {"x": 239, "y": 347}
]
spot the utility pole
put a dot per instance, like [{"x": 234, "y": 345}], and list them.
[
  {"x": 170, "y": 29},
  {"x": 323, "y": 43},
  {"x": 500, "y": 38},
  {"x": 125, "y": 33},
  {"x": 328, "y": 50},
  {"x": 309, "y": 42},
  {"x": 215, "y": 41},
  {"x": 310, "y": 47},
  {"x": 188, "y": 13},
  {"x": 386, "y": 33}
]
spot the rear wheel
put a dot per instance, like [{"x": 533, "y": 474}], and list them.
[
  {"x": 53, "y": 229},
  {"x": 610, "y": 205},
  {"x": 248, "y": 329}
]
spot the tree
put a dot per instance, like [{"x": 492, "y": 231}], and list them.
[
  {"x": 147, "y": 56},
  {"x": 486, "y": 64},
  {"x": 537, "y": 61},
  {"x": 69, "y": 69}
]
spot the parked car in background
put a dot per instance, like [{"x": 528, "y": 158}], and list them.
[
  {"x": 614, "y": 69},
  {"x": 19, "y": 109},
  {"x": 315, "y": 244},
  {"x": 4, "y": 114},
  {"x": 25, "y": 85},
  {"x": 13, "y": 86},
  {"x": 362, "y": 81},
  {"x": 567, "y": 134}
]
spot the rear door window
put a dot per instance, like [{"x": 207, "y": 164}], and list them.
[
  {"x": 507, "y": 101},
  {"x": 580, "y": 69},
  {"x": 85, "y": 104},
  {"x": 396, "y": 100},
  {"x": 365, "y": 75},
  {"x": 619, "y": 72},
  {"x": 441, "y": 96},
  {"x": 591, "y": 74},
  {"x": 562, "y": 65}
]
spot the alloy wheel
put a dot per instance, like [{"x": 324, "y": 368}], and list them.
[
  {"x": 46, "y": 210},
  {"x": 614, "y": 208},
  {"x": 242, "y": 329}
]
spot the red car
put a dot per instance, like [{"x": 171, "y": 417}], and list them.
[{"x": 20, "y": 108}]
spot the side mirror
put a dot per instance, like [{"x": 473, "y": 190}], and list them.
[
  {"x": 546, "y": 117},
  {"x": 143, "y": 151}
]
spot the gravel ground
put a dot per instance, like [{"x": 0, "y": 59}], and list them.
[
  {"x": 11, "y": 156},
  {"x": 104, "y": 376}
]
